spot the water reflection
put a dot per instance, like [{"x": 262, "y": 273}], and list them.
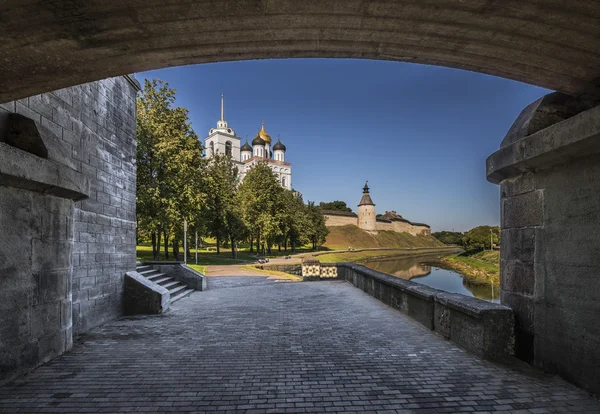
[{"x": 423, "y": 269}]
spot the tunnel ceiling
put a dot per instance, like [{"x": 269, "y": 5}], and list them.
[{"x": 47, "y": 45}]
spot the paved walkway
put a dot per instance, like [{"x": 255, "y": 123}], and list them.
[{"x": 251, "y": 344}]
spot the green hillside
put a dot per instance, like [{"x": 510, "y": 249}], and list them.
[{"x": 343, "y": 237}]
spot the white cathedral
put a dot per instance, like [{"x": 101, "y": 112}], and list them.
[{"x": 223, "y": 140}]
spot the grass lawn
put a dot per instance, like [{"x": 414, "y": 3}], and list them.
[
  {"x": 342, "y": 237},
  {"x": 205, "y": 257},
  {"x": 351, "y": 256},
  {"x": 481, "y": 267}
]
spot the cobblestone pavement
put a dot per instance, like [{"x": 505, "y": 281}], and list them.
[{"x": 254, "y": 345}]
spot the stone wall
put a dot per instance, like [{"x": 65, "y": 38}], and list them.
[
  {"x": 333, "y": 221},
  {"x": 550, "y": 261},
  {"x": 384, "y": 226},
  {"x": 483, "y": 328},
  {"x": 63, "y": 261}
]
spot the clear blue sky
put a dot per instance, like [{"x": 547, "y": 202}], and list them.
[{"x": 420, "y": 134}]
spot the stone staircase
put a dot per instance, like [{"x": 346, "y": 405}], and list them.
[{"x": 177, "y": 289}]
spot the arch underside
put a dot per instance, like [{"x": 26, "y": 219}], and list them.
[{"x": 48, "y": 45}]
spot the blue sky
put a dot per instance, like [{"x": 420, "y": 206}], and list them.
[{"x": 420, "y": 134}]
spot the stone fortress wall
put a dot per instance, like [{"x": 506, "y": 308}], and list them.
[
  {"x": 340, "y": 218},
  {"x": 68, "y": 217},
  {"x": 368, "y": 220}
]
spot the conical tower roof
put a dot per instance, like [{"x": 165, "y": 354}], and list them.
[{"x": 366, "y": 198}]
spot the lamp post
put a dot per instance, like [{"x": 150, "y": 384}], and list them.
[
  {"x": 491, "y": 240},
  {"x": 185, "y": 241},
  {"x": 196, "y": 246}
]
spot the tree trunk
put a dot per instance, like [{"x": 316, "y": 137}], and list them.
[
  {"x": 293, "y": 245},
  {"x": 233, "y": 248},
  {"x": 154, "y": 253},
  {"x": 158, "y": 245},
  {"x": 251, "y": 244},
  {"x": 166, "y": 245},
  {"x": 285, "y": 244},
  {"x": 176, "y": 249},
  {"x": 218, "y": 245}
]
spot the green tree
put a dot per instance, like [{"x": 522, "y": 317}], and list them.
[
  {"x": 260, "y": 201},
  {"x": 336, "y": 205},
  {"x": 294, "y": 220},
  {"x": 316, "y": 230},
  {"x": 479, "y": 238},
  {"x": 220, "y": 219},
  {"x": 449, "y": 237},
  {"x": 169, "y": 166}
]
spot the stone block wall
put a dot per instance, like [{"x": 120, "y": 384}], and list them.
[
  {"x": 35, "y": 279},
  {"x": 550, "y": 257},
  {"x": 551, "y": 266},
  {"x": 335, "y": 221},
  {"x": 62, "y": 262}
]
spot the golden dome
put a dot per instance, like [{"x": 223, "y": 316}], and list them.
[{"x": 263, "y": 134}]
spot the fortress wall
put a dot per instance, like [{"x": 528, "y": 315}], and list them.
[
  {"x": 383, "y": 226},
  {"x": 402, "y": 227},
  {"x": 333, "y": 221},
  {"x": 422, "y": 230}
]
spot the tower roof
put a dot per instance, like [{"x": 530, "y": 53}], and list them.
[
  {"x": 263, "y": 135},
  {"x": 246, "y": 147},
  {"x": 222, "y": 125},
  {"x": 258, "y": 141},
  {"x": 366, "y": 198},
  {"x": 279, "y": 146}
]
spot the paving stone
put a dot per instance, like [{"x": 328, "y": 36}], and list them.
[{"x": 254, "y": 345}]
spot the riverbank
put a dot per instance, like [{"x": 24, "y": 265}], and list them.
[
  {"x": 479, "y": 268},
  {"x": 373, "y": 254}
]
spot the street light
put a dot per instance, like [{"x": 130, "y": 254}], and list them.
[{"x": 184, "y": 241}]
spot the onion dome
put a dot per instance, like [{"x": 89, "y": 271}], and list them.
[
  {"x": 258, "y": 141},
  {"x": 366, "y": 198},
  {"x": 246, "y": 147},
  {"x": 263, "y": 135},
  {"x": 279, "y": 146}
]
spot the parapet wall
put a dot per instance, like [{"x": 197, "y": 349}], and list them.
[{"x": 483, "y": 328}]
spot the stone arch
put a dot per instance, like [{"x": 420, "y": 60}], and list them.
[{"x": 555, "y": 46}]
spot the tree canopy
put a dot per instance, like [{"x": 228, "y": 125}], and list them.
[
  {"x": 175, "y": 182},
  {"x": 449, "y": 237},
  {"x": 336, "y": 205},
  {"x": 481, "y": 238}
]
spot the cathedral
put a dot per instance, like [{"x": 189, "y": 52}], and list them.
[{"x": 223, "y": 140}]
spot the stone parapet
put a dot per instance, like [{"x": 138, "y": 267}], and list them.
[
  {"x": 143, "y": 297},
  {"x": 482, "y": 328}
]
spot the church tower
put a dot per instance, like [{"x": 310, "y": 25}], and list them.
[
  {"x": 367, "y": 219},
  {"x": 222, "y": 139}
]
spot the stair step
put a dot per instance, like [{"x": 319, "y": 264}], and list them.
[
  {"x": 155, "y": 277},
  {"x": 148, "y": 272},
  {"x": 142, "y": 268},
  {"x": 174, "y": 290},
  {"x": 171, "y": 284},
  {"x": 162, "y": 280},
  {"x": 182, "y": 294}
]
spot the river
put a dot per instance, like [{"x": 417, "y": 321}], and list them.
[{"x": 423, "y": 269}]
